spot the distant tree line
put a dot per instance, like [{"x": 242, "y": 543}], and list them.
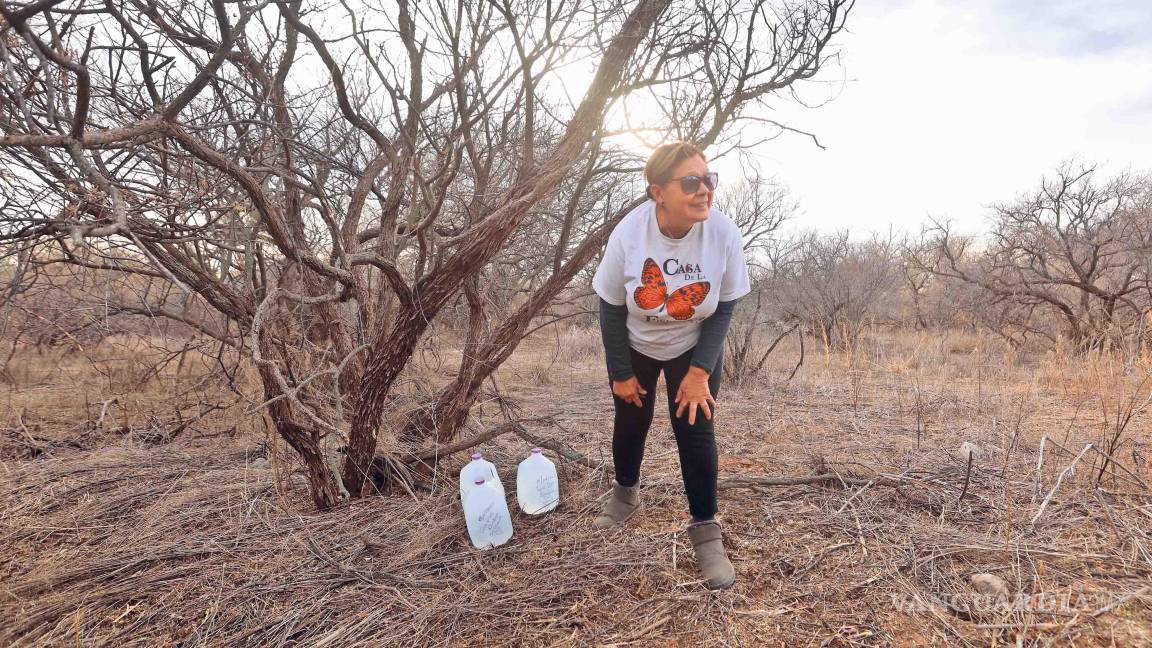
[{"x": 1065, "y": 265}]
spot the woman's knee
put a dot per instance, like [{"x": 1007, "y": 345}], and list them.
[
  {"x": 704, "y": 422},
  {"x": 702, "y": 435}
]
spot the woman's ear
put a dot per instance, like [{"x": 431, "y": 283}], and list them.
[{"x": 655, "y": 192}]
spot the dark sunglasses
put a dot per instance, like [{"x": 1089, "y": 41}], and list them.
[{"x": 690, "y": 184}]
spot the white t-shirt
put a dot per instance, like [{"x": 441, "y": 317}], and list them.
[{"x": 670, "y": 285}]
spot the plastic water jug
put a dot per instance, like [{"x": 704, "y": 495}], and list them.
[
  {"x": 487, "y": 517},
  {"x": 537, "y": 487},
  {"x": 479, "y": 467}
]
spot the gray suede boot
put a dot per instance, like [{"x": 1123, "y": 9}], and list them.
[
  {"x": 621, "y": 505},
  {"x": 709, "y": 546}
]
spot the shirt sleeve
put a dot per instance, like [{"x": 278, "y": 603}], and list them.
[
  {"x": 608, "y": 282},
  {"x": 614, "y": 332},
  {"x": 735, "y": 283},
  {"x": 713, "y": 330}
]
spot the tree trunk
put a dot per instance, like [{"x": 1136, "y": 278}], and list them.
[
  {"x": 305, "y": 441},
  {"x": 389, "y": 354},
  {"x": 321, "y": 480}
]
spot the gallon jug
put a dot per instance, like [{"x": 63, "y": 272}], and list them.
[
  {"x": 487, "y": 517},
  {"x": 537, "y": 487},
  {"x": 477, "y": 468}
]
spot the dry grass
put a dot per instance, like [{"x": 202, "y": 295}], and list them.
[{"x": 204, "y": 541}]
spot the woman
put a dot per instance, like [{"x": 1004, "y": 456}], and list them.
[{"x": 670, "y": 277}]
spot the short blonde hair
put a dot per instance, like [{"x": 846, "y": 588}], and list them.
[{"x": 664, "y": 161}]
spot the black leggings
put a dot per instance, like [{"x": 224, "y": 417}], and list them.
[{"x": 696, "y": 443}]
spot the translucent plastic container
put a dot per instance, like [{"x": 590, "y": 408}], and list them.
[
  {"x": 478, "y": 468},
  {"x": 486, "y": 515},
  {"x": 537, "y": 486}
]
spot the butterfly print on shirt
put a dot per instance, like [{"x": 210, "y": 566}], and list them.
[{"x": 653, "y": 292}]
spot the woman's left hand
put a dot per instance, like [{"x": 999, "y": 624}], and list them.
[{"x": 693, "y": 392}]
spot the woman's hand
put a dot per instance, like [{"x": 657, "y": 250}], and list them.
[
  {"x": 629, "y": 390},
  {"x": 693, "y": 392}
]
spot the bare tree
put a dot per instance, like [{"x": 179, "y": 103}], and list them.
[
  {"x": 836, "y": 284},
  {"x": 759, "y": 206},
  {"x": 314, "y": 187},
  {"x": 916, "y": 280},
  {"x": 1070, "y": 259}
]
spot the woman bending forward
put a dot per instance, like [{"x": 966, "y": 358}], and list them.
[{"x": 670, "y": 277}]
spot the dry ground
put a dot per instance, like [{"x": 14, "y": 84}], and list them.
[{"x": 115, "y": 531}]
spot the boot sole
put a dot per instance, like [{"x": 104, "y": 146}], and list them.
[{"x": 723, "y": 586}]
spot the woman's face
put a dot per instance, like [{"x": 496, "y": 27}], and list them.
[{"x": 685, "y": 207}]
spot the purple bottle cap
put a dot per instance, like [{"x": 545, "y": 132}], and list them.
[
  {"x": 476, "y": 456},
  {"x": 479, "y": 481},
  {"x": 535, "y": 450}
]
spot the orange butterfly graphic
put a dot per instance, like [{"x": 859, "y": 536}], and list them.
[{"x": 653, "y": 292}]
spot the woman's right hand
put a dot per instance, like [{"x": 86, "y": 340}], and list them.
[{"x": 629, "y": 391}]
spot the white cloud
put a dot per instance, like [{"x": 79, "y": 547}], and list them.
[{"x": 950, "y": 106}]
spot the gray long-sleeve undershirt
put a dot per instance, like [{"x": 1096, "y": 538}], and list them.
[
  {"x": 712, "y": 333},
  {"x": 614, "y": 332}
]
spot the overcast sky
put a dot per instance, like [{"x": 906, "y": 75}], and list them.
[{"x": 947, "y": 106}]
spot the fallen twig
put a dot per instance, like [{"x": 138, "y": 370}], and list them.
[
  {"x": 749, "y": 481},
  {"x": 470, "y": 442},
  {"x": 560, "y": 449},
  {"x": 967, "y": 478},
  {"x": 1060, "y": 480}
]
